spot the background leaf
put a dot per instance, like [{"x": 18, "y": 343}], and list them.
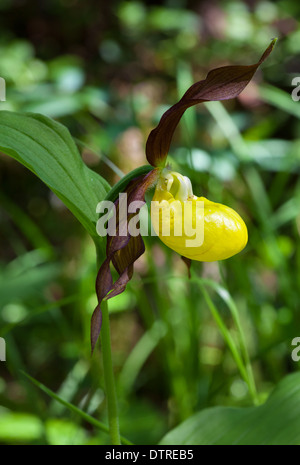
[
  {"x": 274, "y": 423},
  {"x": 48, "y": 150}
]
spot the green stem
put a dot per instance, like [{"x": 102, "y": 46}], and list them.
[
  {"x": 110, "y": 388},
  {"x": 111, "y": 396}
]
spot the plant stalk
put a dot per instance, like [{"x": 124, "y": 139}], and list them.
[
  {"x": 109, "y": 379},
  {"x": 111, "y": 396}
]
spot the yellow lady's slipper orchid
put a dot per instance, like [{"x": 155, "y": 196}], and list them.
[
  {"x": 198, "y": 228},
  {"x": 223, "y": 235}
]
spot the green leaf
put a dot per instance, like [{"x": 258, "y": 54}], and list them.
[
  {"x": 47, "y": 149},
  {"x": 274, "y": 423}
]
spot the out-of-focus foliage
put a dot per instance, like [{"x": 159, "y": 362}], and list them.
[{"x": 108, "y": 73}]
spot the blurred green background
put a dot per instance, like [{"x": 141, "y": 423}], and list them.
[{"x": 108, "y": 70}]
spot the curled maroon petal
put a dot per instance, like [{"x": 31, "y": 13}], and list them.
[
  {"x": 222, "y": 83},
  {"x": 122, "y": 250}
]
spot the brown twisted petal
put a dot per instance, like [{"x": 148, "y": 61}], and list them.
[
  {"x": 222, "y": 83},
  {"x": 121, "y": 250}
]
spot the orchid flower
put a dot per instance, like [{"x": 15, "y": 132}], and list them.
[{"x": 224, "y": 233}]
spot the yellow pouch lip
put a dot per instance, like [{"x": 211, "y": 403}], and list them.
[{"x": 225, "y": 233}]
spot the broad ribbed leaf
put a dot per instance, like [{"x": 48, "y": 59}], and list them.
[
  {"x": 48, "y": 150},
  {"x": 222, "y": 83},
  {"x": 274, "y": 423}
]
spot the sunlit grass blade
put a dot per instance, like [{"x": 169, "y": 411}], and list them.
[
  {"x": 239, "y": 351},
  {"x": 261, "y": 202},
  {"x": 236, "y": 142},
  {"x": 226, "y": 335},
  {"x": 189, "y": 121},
  {"x": 86, "y": 417},
  {"x": 103, "y": 157},
  {"x": 139, "y": 355},
  {"x": 279, "y": 99},
  {"x": 226, "y": 297}
]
